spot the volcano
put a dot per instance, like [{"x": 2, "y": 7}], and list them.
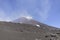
[
  {"x": 26, "y": 28},
  {"x": 29, "y": 20},
  {"x": 26, "y": 20}
]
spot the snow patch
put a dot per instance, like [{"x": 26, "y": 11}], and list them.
[
  {"x": 37, "y": 25},
  {"x": 28, "y": 17}
]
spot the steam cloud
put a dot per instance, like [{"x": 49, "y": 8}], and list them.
[
  {"x": 18, "y": 8},
  {"x": 45, "y": 7}
]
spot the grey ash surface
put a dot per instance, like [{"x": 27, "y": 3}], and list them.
[{"x": 17, "y": 31}]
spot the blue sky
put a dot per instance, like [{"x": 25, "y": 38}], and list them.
[{"x": 46, "y": 11}]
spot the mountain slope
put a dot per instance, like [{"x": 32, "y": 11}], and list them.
[
  {"x": 24, "y": 20},
  {"x": 18, "y": 31}
]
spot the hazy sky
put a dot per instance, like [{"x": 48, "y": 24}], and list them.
[{"x": 46, "y": 11}]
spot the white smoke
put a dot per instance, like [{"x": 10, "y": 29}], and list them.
[
  {"x": 43, "y": 12},
  {"x": 22, "y": 7},
  {"x": 25, "y": 13},
  {"x": 3, "y": 16},
  {"x": 45, "y": 7}
]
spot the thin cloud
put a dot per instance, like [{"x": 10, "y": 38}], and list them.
[
  {"x": 24, "y": 13},
  {"x": 20, "y": 8},
  {"x": 31, "y": 4},
  {"x": 3, "y": 16},
  {"x": 45, "y": 7},
  {"x": 21, "y": 13}
]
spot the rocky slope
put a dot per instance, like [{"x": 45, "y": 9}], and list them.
[{"x": 18, "y": 31}]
